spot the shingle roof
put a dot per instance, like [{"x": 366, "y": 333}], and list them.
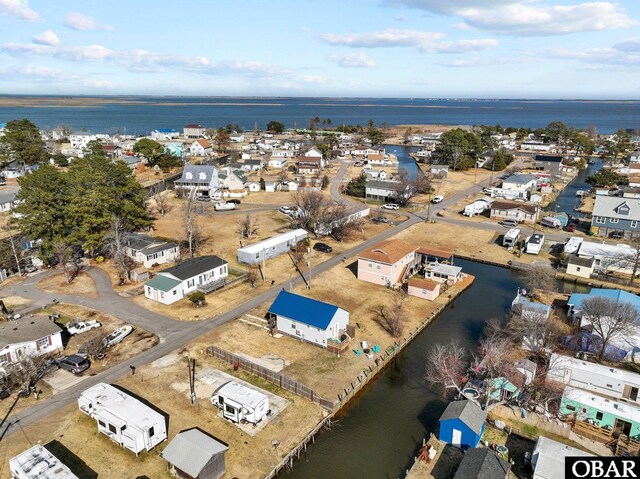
[
  {"x": 194, "y": 266},
  {"x": 146, "y": 244},
  {"x": 508, "y": 205},
  {"x": 303, "y": 310},
  {"x": 552, "y": 158},
  {"x": 468, "y": 412},
  {"x": 606, "y": 206},
  {"x": 388, "y": 252},
  {"x": 163, "y": 283},
  {"x": 520, "y": 179},
  {"x": 481, "y": 463},
  {"x": 191, "y": 450},
  {"x": 195, "y": 171},
  {"x": 385, "y": 185},
  {"x": 204, "y": 143},
  {"x": 438, "y": 253},
  {"x": 423, "y": 283},
  {"x": 26, "y": 329},
  {"x": 578, "y": 261},
  {"x": 194, "y": 125}
]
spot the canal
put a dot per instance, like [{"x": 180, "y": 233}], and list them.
[
  {"x": 379, "y": 434},
  {"x": 404, "y": 160},
  {"x": 567, "y": 200}
]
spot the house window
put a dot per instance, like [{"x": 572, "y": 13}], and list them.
[
  {"x": 293, "y": 325},
  {"x": 377, "y": 266},
  {"x": 112, "y": 428},
  {"x": 577, "y": 268},
  {"x": 634, "y": 224},
  {"x": 151, "y": 431},
  {"x": 600, "y": 220},
  {"x": 598, "y": 416},
  {"x": 584, "y": 410},
  {"x": 370, "y": 265},
  {"x": 43, "y": 342},
  {"x": 570, "y": 408},
  {"x": 102, "y": 424},
  {"x": 4, "y": 358},
  {"x": 615, "y": 220},
  {"x": 175, "y": 291}
]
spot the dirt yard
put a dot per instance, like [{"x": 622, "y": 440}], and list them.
[{"x": 82, "y": 285}]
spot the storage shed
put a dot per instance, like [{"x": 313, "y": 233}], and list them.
[
  {"x": 240, "y": 403},
  {"x": 271, "y": 247},
  {"x": 193, "y": 454},
  {"x": 462, "y": 424}
]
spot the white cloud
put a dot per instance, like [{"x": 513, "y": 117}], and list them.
[
  {"x": 72, "y": 53},
  {"x": 597, "y": 56},
  {"x": 36, "y": 74},
  {"x": 18, "y": 8},
  {"x": 353, "y": 60},
  {"x": 529, "y": 17},
  {"x": 460, "y": 46},
  {"x": 79, "y": 21},
  {"x": 47, "y": 38},
  {"x": 632, "y": 45},
  {"x": 381, "y": 39}
]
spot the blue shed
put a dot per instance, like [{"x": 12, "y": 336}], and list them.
[{"x": 462, "y": 424}]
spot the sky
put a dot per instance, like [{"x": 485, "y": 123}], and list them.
[{"x": 364, "y": 48}]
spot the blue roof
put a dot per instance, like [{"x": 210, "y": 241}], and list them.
[
  {"x": 531, "y": 306},
  {"x": 303, "y": 310},
  {"x": 166, "y": 130},
  {"x": 576, "y": 298}
]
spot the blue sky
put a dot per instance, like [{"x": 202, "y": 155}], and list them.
[{"x": 377, "y": 48}]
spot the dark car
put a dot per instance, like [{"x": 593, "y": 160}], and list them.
[
  {"x": 323, "y": 247},
  {"x": 616, "y": 235},
  {"x": 234, "y": 201},
  {"x": 74, "y": 363}
]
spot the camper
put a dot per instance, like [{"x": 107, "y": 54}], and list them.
[
  {"x": 241, "y": 404},
  {"x": 551, "y": 222},
  {"x": 477, "y": 207},
  {"x": 510, "y": 239},
  {"x": 534, "y": 243}
]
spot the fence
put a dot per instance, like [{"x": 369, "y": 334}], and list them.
[{"x": 273, "y": 377}]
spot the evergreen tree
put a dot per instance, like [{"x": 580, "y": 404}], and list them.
[{"x": 22, "y": 142}]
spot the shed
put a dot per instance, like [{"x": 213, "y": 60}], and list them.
[
  {"x": 139, "y": 274},
  {"x": 193, "y": 454},
  {"x": 270, "y": 247},
  {"x": 527, "y": 368},
  {"x": 423, "y": 288},
  {"x": 240, "y": 403},
  {"x": 482, "y": 464},
  {"x": 582, "y": 267},
  {"x": 462, "y": 424}
]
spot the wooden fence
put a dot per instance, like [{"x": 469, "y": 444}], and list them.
[{"x": 273, "y": 377}]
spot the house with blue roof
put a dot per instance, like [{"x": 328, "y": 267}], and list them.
[
  {"x": 307, "y": 319},
  {"x": 575, "y": 300},
  {"x": 165, "y": 134}
]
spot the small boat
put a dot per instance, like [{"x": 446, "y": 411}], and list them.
[
  {"x": 580, "y": 193},
  {"x": 117, "y": 336},
  {"x": 222, "y": 206}
]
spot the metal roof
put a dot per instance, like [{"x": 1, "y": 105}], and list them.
[
  {"x": 520, "y": 179},
  {"x": 576, "y": 298},
  {"x": 38, "y": 463},
  {"x": 303, "y": 310},
  {"x": 481, "y": 463},
  {"x": 26, "y": 329},
  {"x": 468, "y": 412},
  {"x": 194, "y": 266},
  {"x": 549, "y": 457},
  {"x": 191, "y": 450},
  {"x": 163, "y": 283},
  {"x": 295, "y": 235}
]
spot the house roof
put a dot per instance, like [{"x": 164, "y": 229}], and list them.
[
  {"x": 203, "y": 143},
  {"x": 385, "y": 185},
  {"x": 609, "y": 207},
  {"x": 146, "y": 244},
  {"x": 294, "y": 236},
  {"x": 194, "y": 125},
  {"x": 576, "y": 298},
  {"x": 191, "y": 450},
  {"x": 195, "y": 171},
  {"x": 549, "y": 158},
  {"x": 549, "y": 457},
  {"x": 438, "y": 253},
  {"x": 469, "y": 413},
  {"x": 531, "y": 307},
  {"x": 163, "y": 283},
  {"x": 388, "y": 252},
  {"x": 39, "y": 463},
  {"x": 520, "y": 179},
  {"x": 252, "y": 162},
  {"x": 314, "y": 161},
  {"x": 167, "y": 130},
  {"x": 26, "y": 329},
  {"x": 303, "y": 310},
  {"x": 423, "y": 284},
  {"x": 509, "y": 205},
  {"x": 441, "y": 268},
  {"x": 8, "y": 196},
  {"x": 194, "y": 266},
  {"x": 578, "y": 261},
  {"x": 621, "y": 409},
  {"x": 526, "y": 364},
  {"x": 481, "y": 463}
]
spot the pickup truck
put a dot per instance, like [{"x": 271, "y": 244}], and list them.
[{"x": 82, "y": 327}]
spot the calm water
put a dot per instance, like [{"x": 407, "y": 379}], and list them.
[
  {"x": 404, "y": 160},
  {"x": 149, "y": 113},
  {"x": 567, "y": 200},
  {"x": 377, "y": 437}
]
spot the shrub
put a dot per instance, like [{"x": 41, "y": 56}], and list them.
[{"x": 197, "y": 298}]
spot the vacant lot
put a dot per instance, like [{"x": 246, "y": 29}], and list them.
[{"x": 81, "y": 285}]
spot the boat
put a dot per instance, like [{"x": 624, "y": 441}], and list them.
[
  {"x": 222, "y": 206},
  {"x": 117, "y": 336},
  {"x": 580, "y": 193}
]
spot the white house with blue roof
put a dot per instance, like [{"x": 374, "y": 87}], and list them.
[
  {"x": 165, "y": 134},
  {"x": 307, "y": 319}
]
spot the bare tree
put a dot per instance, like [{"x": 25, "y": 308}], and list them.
[
  {"x": 193, "y": 235},
  {"x": 392, "y": 318},
  {"x": 160, "y": 199},
  {"x": 282, "y": 175},
  {"x": 312, "y": 205},
  {"x": 252, "y": 278},
  {"x": 24, "y": 373},
  {"x": 117, "y": 242},
  {"x": 94, "y": 344},
  {"x": 609, "y": 319},
  {"x": 13, "y": 241},
  {"x": 534, "y": 329},
  {"x": 248, "y": 227},
  {"x": 63, "y": 251},
  {"x": 446, "y": 367},
  {"x": 539, "y": 278}
]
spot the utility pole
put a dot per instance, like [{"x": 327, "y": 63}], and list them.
[
  {"x": 309, "y": 266},
  {"x": 264, "y": 267}
]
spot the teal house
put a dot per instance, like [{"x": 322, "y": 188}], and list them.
[
  {"x": 174, "y": 149},
  {"x": 616, "y": 415},
  {"x": 501, "y": 389}
]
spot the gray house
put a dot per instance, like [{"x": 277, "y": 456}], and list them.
[
  {"x": 193, "y": 454},
  {"x": 616, "y": 217},
  {"x": 201, "y": 178},
  {"x": 551, "y": 163},
  {"x": 381, "y": 190}
]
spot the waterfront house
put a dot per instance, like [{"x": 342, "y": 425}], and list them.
[
  {"x": 520, "y": 183},
  {"x": 271, "y": 247},
  {"x": 550, "y": 163},
  {"x": 427, "y": 254},
  {"x": 462, "y": 424},
  {"x": 38, "y": 463},
  {"x": 203, "y": 179},
  {"x": 387, "y": 263},
  {"x": 203, "y": 273},
  {"x": 194, "y": 130},
  {"x": 149, "y": 251},
  {"x": 30, "y": 336},
  {"x": 506, "y": 210},
  {"x": 482, "y": 463},
  {"x": 423, "y": 288},
  {"x": 307, "y": 319},
  {"x": 582, "y": 267},
  {"x": 194, "y": 454},
  {"x": 384, "y": 190},
  {"x": 574, "y": 303},
  {"x": 200, "y": 147},
  {"x": 443, "y": 273},
  {"x": 607, "y": 258},
  {"x": 549, "y": 458},
  {"x": 165, "y": 134},
  {"x": 530, "y": 311},
  {"x": 616, "y": 217},
  {"x": 124, "y": 419}
]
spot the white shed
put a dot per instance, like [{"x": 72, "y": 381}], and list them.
[{"x": 240, "y": 403}]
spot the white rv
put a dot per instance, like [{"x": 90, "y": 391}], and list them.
[
  {"x": 478, "y": 207},
  {"x": 510, "y": 239},
  {"x": 37, "y": 462},
  {"x": 240, "y": 403},
  {"x": 534, "y": 243},
  {"x": 123, "y": 418}
]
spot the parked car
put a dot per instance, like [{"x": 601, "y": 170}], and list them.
[
  {"x": 75, "y": 363},
  {"x": 390, "y": 206},
  {"x": 29, "y": 269},
  {"x": 286, "y": 209},
  {"x": 235, "y": 201},
  {"x": 203, "y": 198},
  {"x": 82, "y": 327},
  {"x": 381, "y": 219},
  {"x": 571, "y": 227},
  {"x": 509, "y": 223},
  {"x": 437, "y": 199},
  {"x": 323, "y": 247},
  {"x": 616, "y": 235}
]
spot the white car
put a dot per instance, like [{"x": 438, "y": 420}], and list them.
[
  {"x": 437, "y": 199},
  {"x": 390, "y": 206},
  {"x": 82, "y": 327}
]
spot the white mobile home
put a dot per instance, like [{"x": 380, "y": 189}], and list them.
[
  {"x": 240, "y": 403},
  {"x": 122, "y": 418},
  {"x": 38, "y": 463},
  {"x": 271, "y": 247},
  {"x": 477, "y": 207},
  {"x": 510, "y": 239}
]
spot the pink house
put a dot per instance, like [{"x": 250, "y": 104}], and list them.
[
  {"x": 423, "y": 288},
  {"x": 388, "y": 263}
]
